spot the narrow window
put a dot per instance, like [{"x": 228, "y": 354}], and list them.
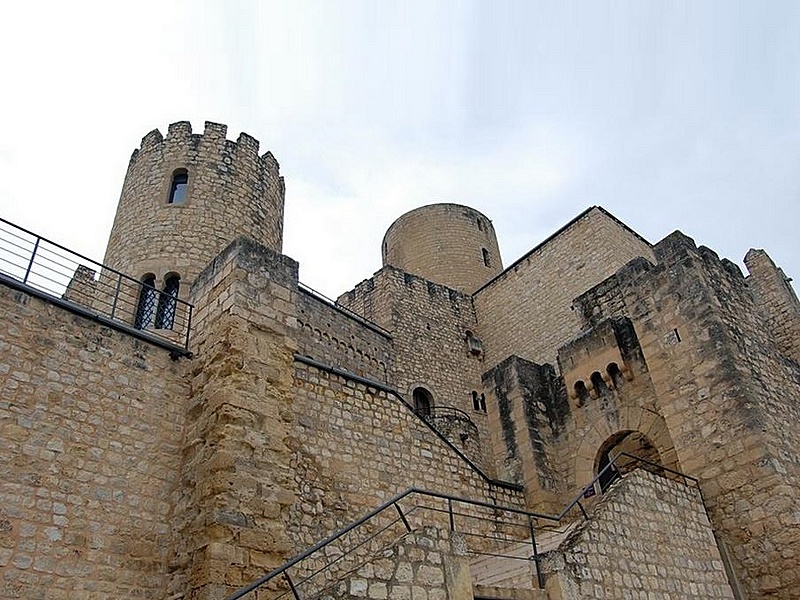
[
  {"x": 422, "y": 402},
  {"x": 146, "y": 307},
  {"x": 476, "y": 403},
  {"x": 168, "y": 302},
  {"x": 483, "y": 402},
  {"x": 598, "y": 383},
  {"x": 486, "y": 260},
  {"x": 177, "y": 190},
  {"x": 614, "y": 372}
]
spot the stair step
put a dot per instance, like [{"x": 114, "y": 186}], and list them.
[
  {"x": 482, "y": 592},
  {"x": 515, "y": 569}
]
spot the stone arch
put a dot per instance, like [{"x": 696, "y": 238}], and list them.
[
  {"x": 421, "y": 400},
  {"x": 631, "y": 442},
  {"x": 631, "y": 419}
]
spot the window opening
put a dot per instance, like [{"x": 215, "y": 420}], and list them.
[
  {"x": 422, "y": 402},
  {"x": 486, "y": 260},
  {"x": 180, "y": 183},
  {"x": 168, "y": 303},
  {"x": 476, "y": 403},
  {"x": 483, "y": 402},
  {"x": 146, "y": 307},
  {"x": 614, "y": 372},
  {"x": 599, "y": 384},
  {"x": 581, "y": 392}
]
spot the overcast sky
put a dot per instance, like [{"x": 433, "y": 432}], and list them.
[{"x": 671, "y": 115}]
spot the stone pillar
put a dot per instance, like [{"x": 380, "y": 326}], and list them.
[
  {"x": 532, "y": 409},
  {"x": 236, "y": 462}
]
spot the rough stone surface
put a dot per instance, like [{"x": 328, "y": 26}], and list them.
[{"x": 128, "y": 474}]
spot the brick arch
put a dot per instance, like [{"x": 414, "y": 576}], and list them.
[{"x": 631, "y": 418}]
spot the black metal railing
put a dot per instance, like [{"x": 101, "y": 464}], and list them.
[
  {"x": 434, "y": 412},
  {"x": 36, "y": 264},
  {"x": 493, "y": 529}
]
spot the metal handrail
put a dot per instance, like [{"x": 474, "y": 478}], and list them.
[
  {"x": 450, "y": 499},
  {"x": 53, "y": 272},
  {"x": 442, "y": 411}
]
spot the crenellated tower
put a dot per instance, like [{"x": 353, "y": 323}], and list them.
[
  {"x": 186, "y": 196},
  {"x": 449, "y": 244}
]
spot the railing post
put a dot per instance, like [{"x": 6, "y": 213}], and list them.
[
  {"x": 291, "y": 585},
  {"x": 116, "y": 295},
  {"x": 30, "y": 262},
  {"x": 188, "y": 326},
  {"x": 536, "y": 558},
  {"x": 450, "y": 512},
  {"x": 402, "y": 516}
]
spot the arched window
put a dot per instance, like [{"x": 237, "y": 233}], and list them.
[
  {"x": 146, "y": 307},
  {"x": 178, "y": 187},
  {"x": 581, "y": 392},
  {"x": 599, "y": 385},
  {"x": 614, "y": 372},
  {"x": 476, "y": 403},
  {"x": 483, "y": 402},
  {"x": 422, "y": 401},
  {"x": 168, "y": 302}
]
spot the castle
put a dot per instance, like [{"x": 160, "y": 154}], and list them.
[{"x": 186, "y": 417}]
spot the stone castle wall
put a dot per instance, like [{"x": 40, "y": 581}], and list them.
[
  {"x": 725, "y": 392},
  {"x": 535, "y": 294},
  {"x": 332, "y": 336},
  {"x": 430, "y": 326},
  {"x": 777, "y": 301},
  {"x": 649, "y": 537},
  {"x": 91, "y": 427}
]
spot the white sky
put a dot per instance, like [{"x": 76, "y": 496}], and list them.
[{"x": 671, "y": 115}]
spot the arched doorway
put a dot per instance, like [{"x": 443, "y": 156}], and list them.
[
  {"x": 631, "y": 442},
  {"x": 423, "y": 401}
]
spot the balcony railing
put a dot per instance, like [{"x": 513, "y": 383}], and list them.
[{"x": 33, "y": 263}]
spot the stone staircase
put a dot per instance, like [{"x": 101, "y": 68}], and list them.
[{"x": 512, "y": 574}]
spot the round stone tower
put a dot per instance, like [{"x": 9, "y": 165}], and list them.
[
  {"x": 186, "y": 197},
  {"x": 449, "y": 244}
]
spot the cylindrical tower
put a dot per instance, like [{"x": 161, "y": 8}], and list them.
[
  {"x": 186, "y": 197},
  {"x": 449, "y": 244}
]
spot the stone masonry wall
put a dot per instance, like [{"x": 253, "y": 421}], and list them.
[
  {"x": 429, "y": 325},
  {"x": 777, "y": 300},
  {"x": 354, "y": 447},
  {"x": 236, "y": 483},
  {"x": 232, "y": 191},
  {"x": 648, "y": 537},
  {"x": 91, "y": 425},
  {"x": 427, "y": 564},
  {"x": 448, "y": 244},
  {"x": 527, "y": 310},
  {"x": 726, "y": 394},
  {"x": 332, "y": 336}
]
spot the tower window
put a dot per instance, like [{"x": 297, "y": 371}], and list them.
[
  {"x": 168, "y": 302},
  {"x": 486, "y": 260},
  {"x": 422, "y": 402},
  {"x": 146, "y": 307},
  {"x": 178, "y": 187}
]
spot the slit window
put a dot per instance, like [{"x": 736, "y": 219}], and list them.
[
  {"x": 486, "y": 259},
  {"x": 178, "y": 187}
]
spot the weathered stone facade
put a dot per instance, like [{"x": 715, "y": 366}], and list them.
[{"x": 131, "y": 471}]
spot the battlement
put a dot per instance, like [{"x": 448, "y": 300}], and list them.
[
  {"x": 225, "y": 190},
  {"x": 214, "y": 136}
]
